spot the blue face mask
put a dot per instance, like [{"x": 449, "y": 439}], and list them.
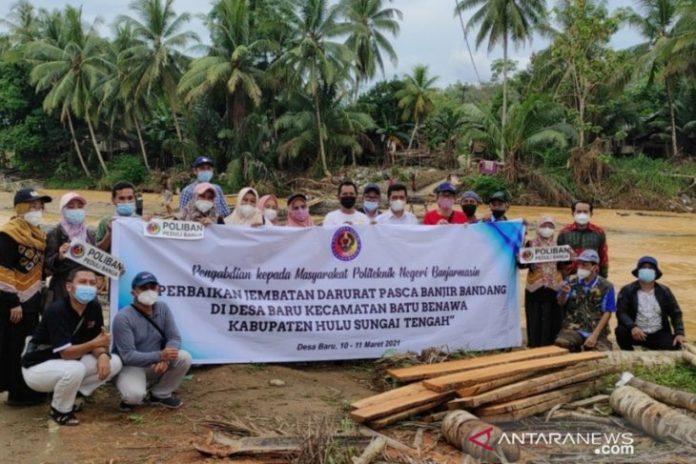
[
  {"x": 85, "y": 293},
  {"x": 646, "y": 275},
  {"x": 74, "y": 216},
  {"x": 204, "y": 176},
  {"x": 370, "y": 205},
  {"x": 125, "y": 209}
]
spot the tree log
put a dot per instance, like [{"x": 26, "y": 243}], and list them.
[
  {"x": 678, "y": 398},
  {"x": 466, "y": 432},
  {"x": 373, "y": 450}
]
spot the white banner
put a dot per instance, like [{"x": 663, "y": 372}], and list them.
[
  {"x": 545, "y": 254},
  {"x": 292, "y": 294},
  {"x": 95, "y": 259},
  {"x": 175, "y": 230}
]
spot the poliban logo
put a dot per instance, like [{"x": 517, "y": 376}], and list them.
[
  {"x": 346, "y": 244},
  {"x": 77, "y": 251},
  {"x": 153, "y": 228},
  {"x": 527, "y": 255},
  {"x": 477, "y": 439}
]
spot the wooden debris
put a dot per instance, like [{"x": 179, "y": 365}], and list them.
[
  {"x": 474, "y": 437},
  {"x": 689, "y": 357},
  {"x": 587, "y": 402},
  {"x": 401, "y": 392},
  {"x": 466, "y": 378},
  {"x": 373, "y": 450},
  {"x": 628, "y": 359},
  {"x": 388, "y": 420},
  {"x": 653, "y": 417},
  {"x": 397, "y": 445},
  {"x": 667, "y": 395},
  {"x": 409, "y": 374},
  {"x": 689, "y": 348},
  {"x": 493, "y": 384},
  {"x": 414, "y": 399}
]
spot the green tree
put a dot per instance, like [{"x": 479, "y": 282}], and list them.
[
  {"x": 416, "y": 98},
  {"x": 369, "y": 20},
  {"x": 315, "y": 59},
  {"x": 155, "y": 63}
]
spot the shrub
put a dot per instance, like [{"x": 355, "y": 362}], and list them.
[
  {"x": 125, "y": 167},
  {"x": 486, "y": 186}
]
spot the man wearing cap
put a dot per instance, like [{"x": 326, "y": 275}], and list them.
[
  {"x": 397, "y": 214},
  {"x": 584, "y": 235},
  {"x": 371, "y": 198},
  {"x": 69, "y": 352},
  {"x": 648, "y": 312},
  {"x": 147, "y": 339},
  {"x": 588, "y": 300},
  {"x": 469, "y": 202},
  {"x": 346, "y": 214},
  {"x": 22, "y": 247},
  {"x": 203, "y": 168},
  {"x": 499, "y": 204},
  {"x": 444, "y": 213}
]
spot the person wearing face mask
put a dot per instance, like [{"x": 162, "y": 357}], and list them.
[
  {"x": 648, "y": 313},
  {"x": 583, "y": 235},
  {"x": 22, "y": 247},
  {"x": 543, "y": 315},
  {"x": 445, "y": 213},
  {"x": 397, "y": 214},
  {"x": 268, "y": 205},
  {"x": 499, "y": 204},
  {"x": 72, "y": 227},
  {"x": 371, "y": 198},
  {"x": 346, "y": 214},
  {"x": 148, "y": 341},
  {"x": 204, "y": 168},
  {"x": 69, "y": 352},
  {"x": 588, "y": 301},
  {"x": 245, "y": 212},
  {"x": 469, "y": 202},
  {"x": 298, "y": 211},
  {"x": 202, "y": 207},
  {"x": 123, "y": 199}
]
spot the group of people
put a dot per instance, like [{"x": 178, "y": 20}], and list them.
[{"x": 54, "y": 341}]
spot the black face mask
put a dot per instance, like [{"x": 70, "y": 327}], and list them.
[
  {"x": 497, "y": 213},
  {"x": 348, "y": 202},
  {"x": 469, "y": 210}
]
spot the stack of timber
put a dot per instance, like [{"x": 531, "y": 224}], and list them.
[{"x": 498, "y": 387}]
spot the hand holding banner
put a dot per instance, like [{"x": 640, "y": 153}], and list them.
[{"x": 531, "y": 255}]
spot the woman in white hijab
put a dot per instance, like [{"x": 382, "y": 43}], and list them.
[{"x": 245, "y": 212}]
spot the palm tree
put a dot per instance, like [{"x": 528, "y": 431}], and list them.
[
  {"x": 314, "y": 59},
  {"x": 156, "y": 62},
  {"x": 22, "y": 24},
  {"x": 231, "y": 61},
  {"x": 71, "y": 69},
  {"x": 504, "y": 20},
  {"x": 416, "y": 98},
  {"x": 369, "y": 20}
]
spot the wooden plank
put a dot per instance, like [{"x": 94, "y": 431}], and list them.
[
  {"x": 398, "y": 404},
  {"x": 389, "y": 395},
  {"x": 466, "y": 378},
  {"x": 482, "y": 387},
  {"x": 534, "y": 386},
  {"x": 388, "y": 420},
  {"x": 408, "y": 374},
  {"x": 541, "y": 407}
]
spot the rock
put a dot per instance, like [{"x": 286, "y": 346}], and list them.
[{"x": 276, "y": 383}]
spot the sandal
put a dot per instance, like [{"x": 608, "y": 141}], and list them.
[{"x": 64, "y": 418}]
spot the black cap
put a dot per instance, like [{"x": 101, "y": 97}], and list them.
[
  {"x": 144, "y": 278},
  {"x": 372, "y": 188},
  {"x": 445, "y": 187},
  {"x": 297, "y": 195},
  {"x": 27, "y": 195},
  {"x": 203, "y": 160},
  {"x": 500, "y": 196}
]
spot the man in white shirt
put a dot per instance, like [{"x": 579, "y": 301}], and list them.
[
  {"x": 397, "y": 214},
  {"x": 346, "y": 214}
]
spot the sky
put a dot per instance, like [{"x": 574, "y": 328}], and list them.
[{"x": 430, "y": 34}]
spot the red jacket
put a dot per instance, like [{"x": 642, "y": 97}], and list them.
[{"x": 592, "y": 237}]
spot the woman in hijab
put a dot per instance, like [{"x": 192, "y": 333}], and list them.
[
  {"x": 544, "y": 316},
  {"x": 298, "y": 212},
  {"x": 72, "y": 227},
  {"x": 245, "y": 212},
  {"x": 202, "y": 206},
  {"x": 268, "y": 205},
  {"x": 22, "y": 246}
]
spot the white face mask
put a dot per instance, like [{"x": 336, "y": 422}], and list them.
[
  {"x": 204, "y": 205},
  {"x": 148, "y": 297},
  {"x": 582, "y": 218},
  {"x": 34, "y": 217},
  {"x": 397, "y": 205},
  {"x": 247, "y": 211},
  {"x": 583, "y": 273},
  {"x": 546, "y": 232},
  {"x": 270, "y": 214}
]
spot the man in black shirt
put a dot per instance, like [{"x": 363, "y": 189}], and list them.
[{"x": 69, "y": 351}]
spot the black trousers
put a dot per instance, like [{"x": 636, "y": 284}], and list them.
[
  {"x": 660, "y": 340},
  {"x": 12, "y": 338},
  {"x": 543, "y": 315}
]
